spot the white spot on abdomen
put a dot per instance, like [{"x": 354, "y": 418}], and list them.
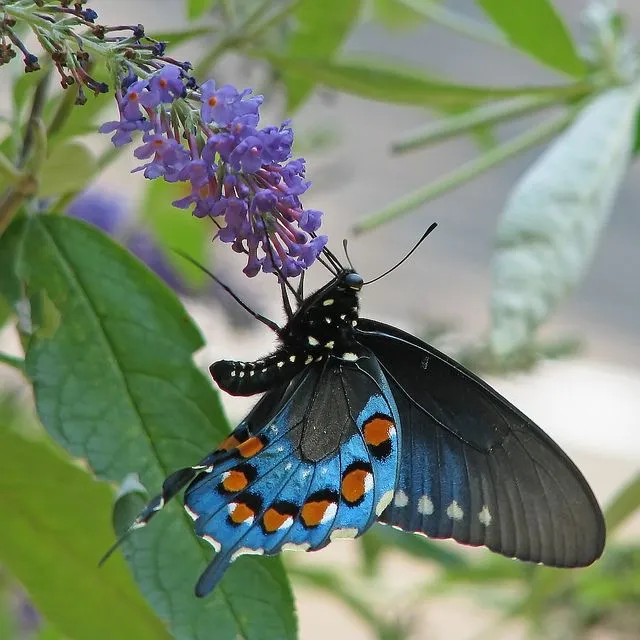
[
  {"x": 425, "y": 506},
  {"x": 313, "y": 341}
]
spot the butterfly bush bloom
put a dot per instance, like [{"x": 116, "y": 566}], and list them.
[{"x": 240, "y": 176}]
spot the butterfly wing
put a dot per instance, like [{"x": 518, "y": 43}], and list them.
[
  {"x": 321, "y": 463},
  {"x": 475, "y": 468}
]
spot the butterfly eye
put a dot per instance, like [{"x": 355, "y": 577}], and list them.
[{"x": 353, "y": 281}]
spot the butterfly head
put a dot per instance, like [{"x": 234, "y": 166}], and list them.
[{"x": 351, "y": 280}]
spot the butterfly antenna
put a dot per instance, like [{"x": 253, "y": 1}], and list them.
[
  {"x": 269, "y": 323},
  {"x": 346, "y": 253},
  {"x": 395, "y": 266}
]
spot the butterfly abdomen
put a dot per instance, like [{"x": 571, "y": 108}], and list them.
[{"x": 248, "y": 378}]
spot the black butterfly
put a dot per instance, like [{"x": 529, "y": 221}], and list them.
[{"x": 362, "y": 422}]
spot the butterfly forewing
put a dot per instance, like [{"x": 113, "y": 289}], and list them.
[{"x": 474, "y": 468}]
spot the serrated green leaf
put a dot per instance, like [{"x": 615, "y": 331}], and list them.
[
  {"x": 197, "y": 8},
  {"x": 116, "y": 385},
  {"x": 396, "y": 84},
  {"x": 535, "y": 27},
  {"x": 555, "y": 214},
  {"x": 56, "y": 527},
  {"x": 319, "y": 30},
  {"x": 176, "y": 229},
  {"x": 69, "y": 167}
]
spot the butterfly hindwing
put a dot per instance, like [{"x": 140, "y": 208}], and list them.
[
  {"x": 324, "y": 464},
  {"x": 474, "y": 468}
]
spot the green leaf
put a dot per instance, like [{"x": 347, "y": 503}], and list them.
[
  {"x": 116, "y": 385},
  {"x": 319, "y": 30},
  {"x": 623, "y": 505},
  {"x": 396, "y": 14},
  {"x": 555, "y": 214},
  {"x": 10, "y": 286},
  {"x": 69, "y": 167},
  {"x": 176, "y": 229},
  {"x": 535, "y": 27},
  {"x": 397, "y": 84},
  {"x": 58, "y": 528},
  {"x": 197, "y": 8}
]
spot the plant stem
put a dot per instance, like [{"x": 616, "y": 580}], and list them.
[
  {"x": 8, "y": 169},
  {"x": 484, "y": 115},
  {"x": 242, "y": 33},
  {"x": 467, "y": 172},
  {"x": 624, "y": 504}
]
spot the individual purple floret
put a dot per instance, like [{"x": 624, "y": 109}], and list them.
[{"x": 241, "y": 177}]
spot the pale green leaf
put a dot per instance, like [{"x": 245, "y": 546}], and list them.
[
  {"x": 56, "y": 526},
  {"x": 69, "y": 167},
  {"x": 319, "y": 30},
  {"x": 400, "y": 84},
  {"x": 197, "y": 8},
  {"x": 555, "y": 214},
  {"x": 535, "y": 27}
]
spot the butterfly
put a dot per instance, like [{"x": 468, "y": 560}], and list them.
[{"x": 361, "y": 422}]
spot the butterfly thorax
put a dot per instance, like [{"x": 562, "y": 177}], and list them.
[{"x": 323, "y": 327}]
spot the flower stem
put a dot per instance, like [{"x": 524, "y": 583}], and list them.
[{"x": 468, "y": 171}]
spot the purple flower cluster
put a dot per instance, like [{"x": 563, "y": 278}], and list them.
[{"x": 237, "y": 174}]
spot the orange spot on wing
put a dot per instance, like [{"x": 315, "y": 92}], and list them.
[
  {"x": 378, "y": 430},
  {"x": 273, "y": 520},
  {"x": 250, "y": 447},
  {"x": 313, "y": 512},
  {"x": 235, "y": 481},
  {"x": 354, "y": 484},
  {"x": 230, "y": 443},
  {"x": 241, "y": 513}
]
